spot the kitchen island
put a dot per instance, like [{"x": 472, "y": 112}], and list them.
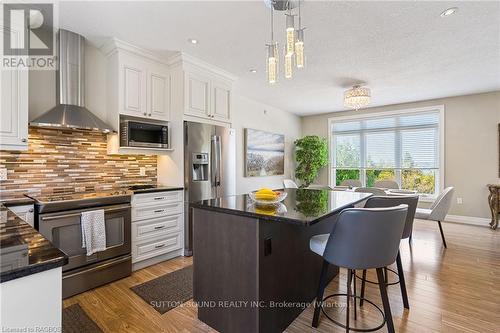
[
  {"x": 252, "y": 267},
  {"x": 30, "y": 277}
]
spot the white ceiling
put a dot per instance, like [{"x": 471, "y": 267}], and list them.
[{"x": 404, "y": 51}]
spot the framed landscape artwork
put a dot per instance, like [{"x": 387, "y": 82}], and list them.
[{"x": 264, "y": 153}]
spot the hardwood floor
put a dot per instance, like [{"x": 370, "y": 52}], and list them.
[{"x": 450, "y": 290}]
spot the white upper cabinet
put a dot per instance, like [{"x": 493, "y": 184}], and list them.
[
  {"x": 198, "y": 95},
  {"x": 133, "y": 101},
  {"x": 221, "y": 101},
  {"x": 207, "y": 96},
  {"x": 13, "y": 108},
  {"x": 205, "y": 91},
  {"x": 159, "y": 100},
  {"x": 138, "y": 83}
]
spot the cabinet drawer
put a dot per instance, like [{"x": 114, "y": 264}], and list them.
[
  {"x": 156, "y": 198},
  {"x": 148, "y": 212},
  {"x": 155, "y": 247},
  {"x": 156, "y": 227}
]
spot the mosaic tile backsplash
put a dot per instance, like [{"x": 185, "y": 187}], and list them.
[{"x": 64, "y": 161}]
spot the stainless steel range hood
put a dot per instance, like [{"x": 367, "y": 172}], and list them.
[{"x": 70, "y": 111}]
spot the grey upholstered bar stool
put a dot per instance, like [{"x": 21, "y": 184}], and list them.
[
  {"x": 362, "y": 238},
  {"x": 379, "y": 202}
]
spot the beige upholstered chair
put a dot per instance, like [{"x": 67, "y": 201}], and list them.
[
  {"x": 373, "y": 190},
  {"x": 288, "y": 183},
  {"x": 390, "y": 184},
  {"x": 351, "y": 183},
  {"x": 438, "y": 210}
]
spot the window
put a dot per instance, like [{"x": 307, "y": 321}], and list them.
[{"x": 402, "y": 146}]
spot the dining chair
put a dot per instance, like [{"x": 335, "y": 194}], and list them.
[
  {"x": 379, "y": 202},
  {"x": 374, "y": 190},
  {"x": 351, "y": 183},
  {"x": 438, "y": 210},
  {"x": 288, "y": 183},
  {"x": 362, "y": 238},
  {"x": 389, "y": 184}
]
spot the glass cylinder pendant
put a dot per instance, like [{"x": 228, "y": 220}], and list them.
[
  {"x": 272, "y": 63},
  {"x": 288, "y": 66},
  {"x": 290, "y": 34},
  {"x": 299, "y": 49}
]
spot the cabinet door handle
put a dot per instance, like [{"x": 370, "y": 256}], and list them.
[
  {"x": 24, "y": 140},
  {"x": 159, "y": 198},
  {"x": 159, "y": 246},
  {"x": 145, "y": 113},
  {"x": 31, "y": 210},
  {"x": 159, "y": 211},
  {"x": 150, "y": 114},
  {"x": 159, "y": 227}
]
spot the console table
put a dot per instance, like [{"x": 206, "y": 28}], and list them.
[{"x": 493, "y": 200}]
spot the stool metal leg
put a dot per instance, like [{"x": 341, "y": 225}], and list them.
[
  {"x": 363, "y": 282},
  {"x": 321, "y": 290},
  {"x": 354, "y": 283},
  {"x": 349, "y": 278},
  {"x": 402, "y": 283},
  {"x": 385, "y": 300}
]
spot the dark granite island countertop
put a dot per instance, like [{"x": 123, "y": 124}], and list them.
[
  {"x": 24, "y": 251},
  {"x": 253, "y": 270},
  {"x": 301, "y": 206}
]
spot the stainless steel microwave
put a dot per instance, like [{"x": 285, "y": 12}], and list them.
[{"x": 143, "y": 134}]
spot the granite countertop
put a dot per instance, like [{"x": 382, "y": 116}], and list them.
[
  {"x": 18, "y": 200},
  {"x": 23, "y": 251},
  {"x": 301, "y": 206},
  {"x": 157, "y": 188}
]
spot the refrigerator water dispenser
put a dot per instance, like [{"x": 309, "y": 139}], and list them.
[{"x": 199, "y": 167}]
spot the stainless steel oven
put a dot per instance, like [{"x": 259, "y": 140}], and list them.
[
  {"x": 58, "y": 218},
  {"x": 143, "y": 134},
  {"x": 63, "y": 229}
]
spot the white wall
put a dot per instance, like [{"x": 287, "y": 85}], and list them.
[
  {"x": 248, "y": 113},
  {"x": 471, "y": 145}
]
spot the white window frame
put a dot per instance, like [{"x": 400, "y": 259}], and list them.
[{"x": 441, "y": 132}]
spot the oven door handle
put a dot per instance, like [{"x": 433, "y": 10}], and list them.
[{"x": 48, "y": 218}]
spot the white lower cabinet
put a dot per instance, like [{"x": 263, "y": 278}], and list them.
[{"x": 157, "y": 227}]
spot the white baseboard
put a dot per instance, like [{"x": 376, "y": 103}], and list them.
[{"x": 472, "y": 220}]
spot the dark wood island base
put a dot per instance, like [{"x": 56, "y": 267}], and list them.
[{"x": 253, "y": 275}]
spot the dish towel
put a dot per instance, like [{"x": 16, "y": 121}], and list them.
[{"x": 93, "y": 231}]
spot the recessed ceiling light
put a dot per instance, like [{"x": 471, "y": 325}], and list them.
[
  {"x": 193, "y": 41},
  {"x": 449, "y": 11},
  {"x": 253, "y": 70}
]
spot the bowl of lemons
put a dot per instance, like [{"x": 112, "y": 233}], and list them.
[{"x": 266, "y": 196}]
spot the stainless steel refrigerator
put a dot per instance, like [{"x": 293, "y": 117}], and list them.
[{"x": 209, "y": 168}]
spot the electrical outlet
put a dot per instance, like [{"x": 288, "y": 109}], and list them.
[
  {"x": 142, "y": 171},
  {"x": 460, "y": 201},
  {"x": 3, "y": 174}
]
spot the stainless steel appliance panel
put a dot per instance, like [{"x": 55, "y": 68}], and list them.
[
  {"x": 63, "y": 229},
  {"x": 211, "y": 179}
]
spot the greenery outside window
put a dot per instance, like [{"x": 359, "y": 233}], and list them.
[{"x": 403, "y": 147}]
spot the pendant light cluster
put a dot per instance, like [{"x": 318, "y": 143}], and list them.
[{"x": 294, "y": 43}]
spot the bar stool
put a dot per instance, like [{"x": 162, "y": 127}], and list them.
[
  {"x": 362, "y": 238},
  {"x": 379, "y": 202}
]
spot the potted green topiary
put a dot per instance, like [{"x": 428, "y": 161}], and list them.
[{"x": 311, "y": 156}]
